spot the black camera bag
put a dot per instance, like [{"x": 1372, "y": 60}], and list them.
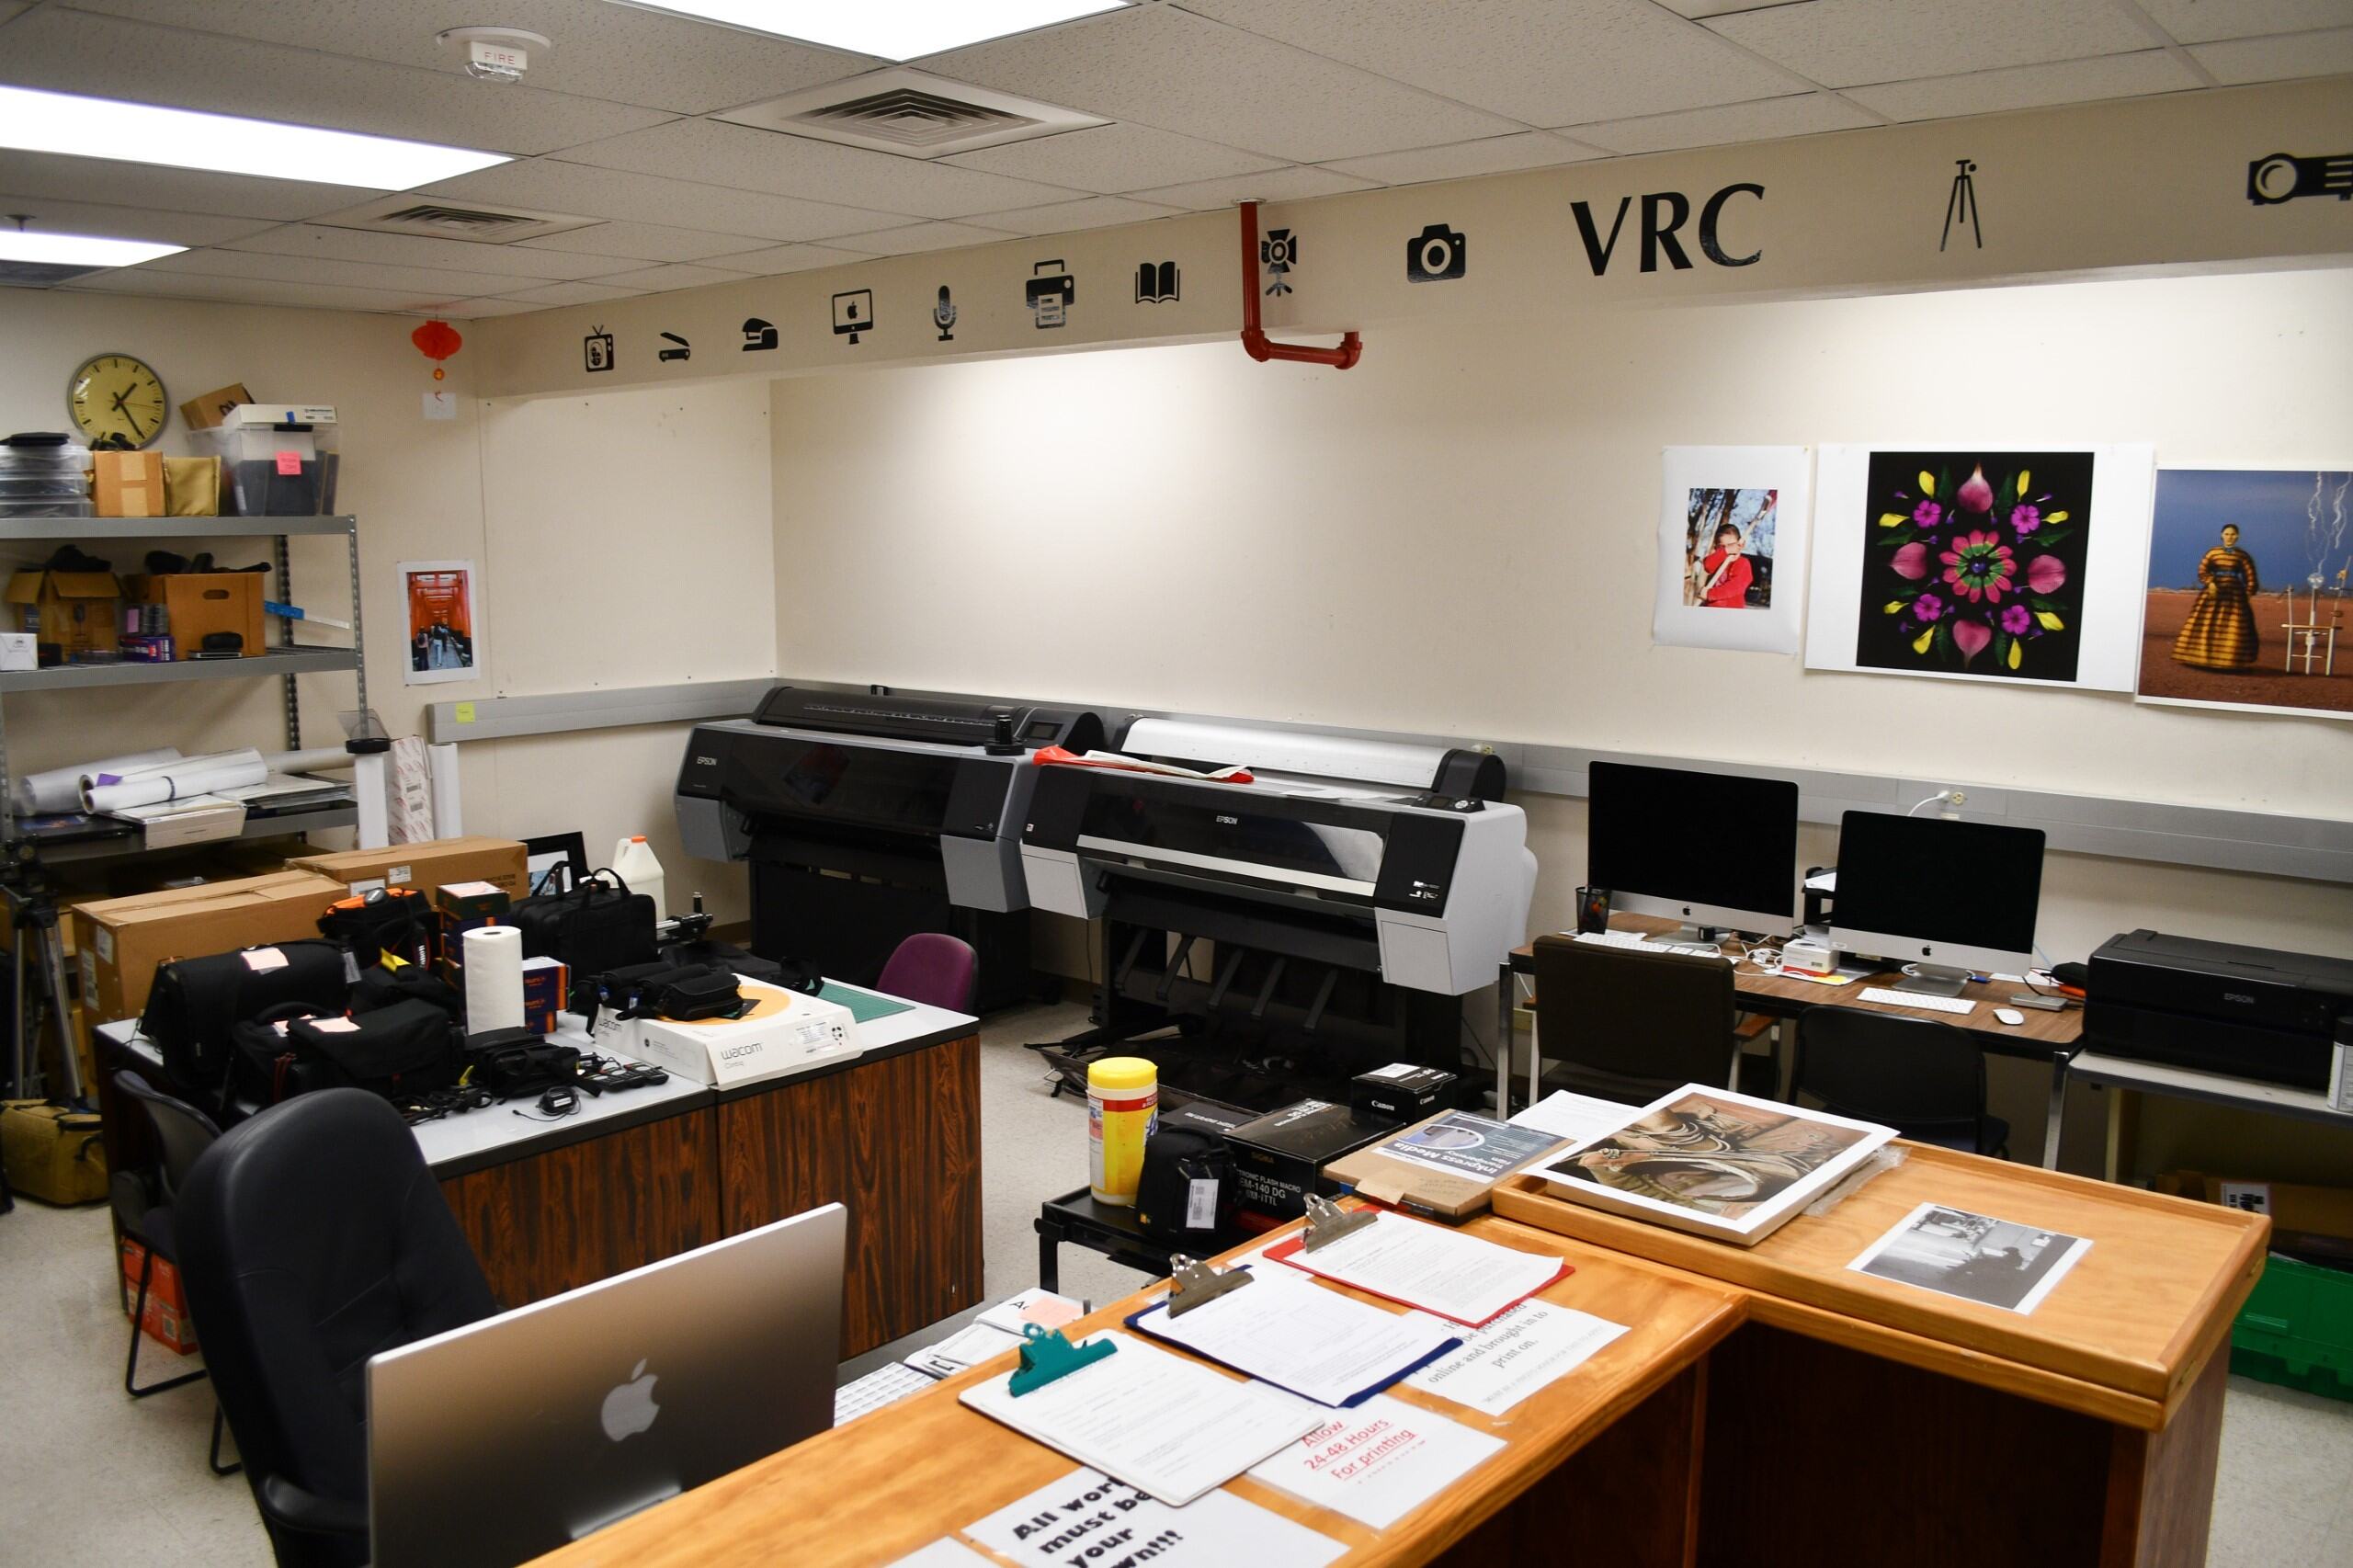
[
  {"x": 1168, "y": 1197},
  {"x": 379, "y": 987},
  {"x": 685, "y": 993},
  {"x": 194, "y": 1002},
  {"x": 400, "y": 1052},
  {"x": 594, "y": 928},
  {"x": 514, "y": 1062},
  {"x": 398, "y": 920},
  {"x": 261, "y": 1067}
]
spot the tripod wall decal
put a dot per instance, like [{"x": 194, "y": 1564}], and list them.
[{"x": 1962, "y": 203}]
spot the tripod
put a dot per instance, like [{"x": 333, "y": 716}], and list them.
[
  {"x": 33, "y": 914},
  {"x": 1963, "y": 203}
]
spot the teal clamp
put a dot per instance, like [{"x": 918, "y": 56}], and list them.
[{"x": 1047, "y": 1355}]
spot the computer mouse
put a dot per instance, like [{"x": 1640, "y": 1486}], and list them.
[{"x": 2010, "y": 1016}]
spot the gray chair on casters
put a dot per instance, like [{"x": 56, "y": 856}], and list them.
[
  {"x": 1922, "y": 1078},
  {"x": 142, "y": 1209},
  {"x": 313, "y": 1237},
  {"x": 1627, "y": 1025}
]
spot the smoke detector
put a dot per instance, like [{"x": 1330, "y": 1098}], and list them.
[{"x": 496, "y": 54}]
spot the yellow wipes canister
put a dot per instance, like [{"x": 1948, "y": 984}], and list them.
[{"x": 1123, "y": 1105}]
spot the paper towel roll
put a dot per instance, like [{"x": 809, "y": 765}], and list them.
[
  {"x": 113, "y": 790},
  {"x": 494, "y": 956},
  {"x": 60, "y": 789}
]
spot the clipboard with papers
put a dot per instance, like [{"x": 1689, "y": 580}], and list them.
[
  {"x": 1465, "y": 1279},
  {"x": 1290, "y": 1333}
]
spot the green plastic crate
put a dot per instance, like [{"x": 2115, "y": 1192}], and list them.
[{"x": 2297, "y": 1329}]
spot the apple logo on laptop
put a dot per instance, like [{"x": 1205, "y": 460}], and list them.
[{"x": 630, "y": 1408}]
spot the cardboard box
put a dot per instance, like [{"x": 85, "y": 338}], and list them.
[
  {"x": 122, "y": 939},
  {"x": 191, "y": 487},
  {"x": 207, "y": 409},
  {"x": 1278, "y": 1158},
  {"x": 785, "y": 1032},
  {"x": 1399, "y": 1093},
  {"x": 545, "y": 981},
  {"x": 127, "y": 484},
  {"x": 1451, "y": 1163},
  {"x": 80, "y": 612},
  {"x": 2313, "y": 1220},
  {"x": 199, "y": 603},
  {"x": 165, "y": 1320},
  {"x": 471, "y": 902},
  {"x": 424, "y": 866}
]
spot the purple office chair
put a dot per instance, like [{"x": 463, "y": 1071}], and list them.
[{"x": 932, "y": 967}]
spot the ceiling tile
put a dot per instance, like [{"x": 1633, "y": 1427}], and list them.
[
  {"x": 1067, "y": 217},
  {"x": 1718, "y": 7},
  {"x": 1541, "y": 62},
  {"x": 745, "y": 159},
  {"x": 2277, "y": 59},
  {"x": 55, "y": 176},
  {"x": 425, "y": 281},
  {"x": 250, "y": 291},
  {"x": 775, "y": 260},
  {"x": 469, "y": 310},
  {"x": 1802, "y": 115},
  {"x": 1280, "y": 185},
  {"x": 1843, "y": 42},
  {"x": 1494, "y": 154},
  {"x": 914, "y": 237},
  {"x": 2206, "y": 21},
  {"x": 73, "y": 52},
  {"x": 1157, "y": 65},
  {"x": 325, "y": 242},
  {"x": 129, "y": 223},
  {"x": 553, "y": 187},
  {"x": 570, "y": 293},
  {"x": 2030, "y": 87},
  {"x": 1113, "y": 158},
  {"x": 618, "y": 52},
  {"x": 641, "y": 242},
  {"x": 678, "y": 274},
  {"x": 11, "y": 7}
]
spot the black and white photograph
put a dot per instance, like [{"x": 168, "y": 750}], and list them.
[{"x": 1998, "y": 1263}]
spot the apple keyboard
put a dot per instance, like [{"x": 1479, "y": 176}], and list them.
[
  {"x": 886, "y": 1385},
  {"x": 1636, "y": 939},
  {"x": 1914, "y": 999}
]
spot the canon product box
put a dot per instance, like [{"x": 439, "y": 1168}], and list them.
[
  {"x": 1399, "y": 1093},
  {"x": 786, "y": 1033},
  {"x": 1277, "y": 1157}
]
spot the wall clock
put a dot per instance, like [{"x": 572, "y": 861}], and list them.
[{"x": 115, "y": 394}]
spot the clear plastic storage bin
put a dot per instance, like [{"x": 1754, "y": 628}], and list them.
[
  {"x": 43, "y": 478},
  {"x": 273, "y": 470}
]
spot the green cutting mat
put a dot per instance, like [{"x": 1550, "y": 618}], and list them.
[{"x": 864, "y": 1006}]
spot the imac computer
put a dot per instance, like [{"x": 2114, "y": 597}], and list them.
[
  {"x": 1942, "y": 895},
  {"x": 1710, "y": 849}
]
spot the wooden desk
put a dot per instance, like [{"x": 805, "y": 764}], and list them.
[
  {"x": 2046, "y": 1037},
  {"x": 1766, "y": 1409}
]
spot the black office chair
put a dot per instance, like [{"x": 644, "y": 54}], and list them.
[
  {"x": 143, "y": 1207},
  {"x": 313, "y": 1236},
  {"x": 1629, "y": 1025},
  {"x": 1922, "y": 1078}
]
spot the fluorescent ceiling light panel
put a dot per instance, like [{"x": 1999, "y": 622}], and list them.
[
  {"x": 35, "y": 121},
  {"x": 79, "y": 250},
  {"x": 896, "y": 29}
]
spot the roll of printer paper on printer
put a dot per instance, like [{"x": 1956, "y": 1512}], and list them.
[{"x": 111, "y": 790}]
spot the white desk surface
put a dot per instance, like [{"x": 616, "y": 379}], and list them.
[{"x": 2189, "y": 1084}]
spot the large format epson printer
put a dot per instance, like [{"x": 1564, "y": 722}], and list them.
[
  {"x": 2247, "y": 1012},
  {"x": 868, "y": 816},
  {"x": 1331, "y": 913}
]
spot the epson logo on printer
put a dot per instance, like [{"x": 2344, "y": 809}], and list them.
[
  {"x": 737, "y": 1053},
  {"x": 1231, "y": 822},
  {"x": 2243, "y": 1001},
  {"x": 706, "y": 762}
]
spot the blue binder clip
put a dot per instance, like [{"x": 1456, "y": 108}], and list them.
[{"x": 1046, "y": 1355}]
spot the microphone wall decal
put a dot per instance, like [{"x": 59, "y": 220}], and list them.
[{"x": 944, "y": 315}]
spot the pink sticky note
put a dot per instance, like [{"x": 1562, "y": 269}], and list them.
[{"x": 290, "y": 462}]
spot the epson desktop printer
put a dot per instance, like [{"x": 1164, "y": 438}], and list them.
[{"x": 2247, "y": 1012}]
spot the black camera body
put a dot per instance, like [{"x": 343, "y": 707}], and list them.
[{"x": 1437, "y": 255}]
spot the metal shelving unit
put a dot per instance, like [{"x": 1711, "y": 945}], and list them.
[{"x": 286, "y": 660}]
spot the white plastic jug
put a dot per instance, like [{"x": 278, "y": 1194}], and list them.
[{"x": 634, "y": 862}]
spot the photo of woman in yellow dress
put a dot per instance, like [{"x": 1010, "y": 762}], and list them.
[{"x": 2220, "y": 633}]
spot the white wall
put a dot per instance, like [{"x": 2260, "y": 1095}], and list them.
[{"x": 623, "y": 540}]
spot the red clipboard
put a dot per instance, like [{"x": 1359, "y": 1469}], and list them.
[{"x": 1292, "y": 1250}]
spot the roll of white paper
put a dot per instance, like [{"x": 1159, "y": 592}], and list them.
[
  {"x": 156, "y": 783},
  {"x": 60, "y": 789},
  {"x": 318, "y": 759},
  {"x": 449, "y": 814},
  {"x": 494, "y": 956},
  {"x": 1286, "y": 751}
]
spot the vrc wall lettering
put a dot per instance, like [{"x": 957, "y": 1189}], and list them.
[{"x": 1663, "y": 214}]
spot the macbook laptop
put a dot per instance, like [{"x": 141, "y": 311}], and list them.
[{"x": 504, "y": 1439}]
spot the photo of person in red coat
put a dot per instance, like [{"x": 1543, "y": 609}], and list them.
[
  {"x": 1728, "y": 548},
  {"x": 1725, "y": 572}
]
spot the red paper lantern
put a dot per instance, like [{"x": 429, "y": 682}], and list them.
[{"x": 436, "y": 340}]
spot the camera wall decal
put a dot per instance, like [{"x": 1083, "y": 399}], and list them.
[{"x": 1437, "y": 255}]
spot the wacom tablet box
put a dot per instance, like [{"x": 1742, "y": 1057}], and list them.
[{"x": 1278, "y": 1156}]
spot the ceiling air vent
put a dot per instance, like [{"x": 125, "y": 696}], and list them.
[
  {"x": 42, "y": 274},
  {"x": 911, "y": 113},
  {"x": 406, "y": 214}
]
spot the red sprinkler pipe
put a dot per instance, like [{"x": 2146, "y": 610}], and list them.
[{"x": 1254, "y": 341}]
